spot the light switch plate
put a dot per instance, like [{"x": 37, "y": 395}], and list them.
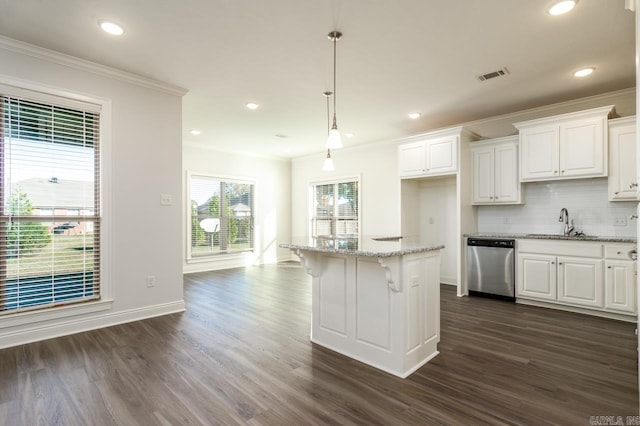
[{"x": 166, "y": 200}]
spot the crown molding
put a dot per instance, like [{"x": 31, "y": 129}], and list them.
[
  {"x": 553, "y": 108},
  {"x": 38, "y": 52}
]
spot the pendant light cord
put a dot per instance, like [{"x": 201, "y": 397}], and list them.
[
  {"x": 335, "y": 40},
  {"x": 328, "y": 115}
]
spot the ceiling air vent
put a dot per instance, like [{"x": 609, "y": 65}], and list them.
[{"x": 493, "y": 74}]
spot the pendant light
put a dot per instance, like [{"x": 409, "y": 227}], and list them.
[
  {"x": 334, "y": 141},
  {"x": 328, "y": 162}
]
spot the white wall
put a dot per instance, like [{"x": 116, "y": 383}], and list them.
[
  {"x": 438, "y": 222},
  {"x": 144, "y": 238},
  {"x": 379, "y": 186},
  {"x": 272, "y": 204},
  {"x": 585, "y": 199}
]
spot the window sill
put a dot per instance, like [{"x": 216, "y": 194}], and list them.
[
  {"x": 220, "y": 257},
  {"x": 18, "y": 319}
]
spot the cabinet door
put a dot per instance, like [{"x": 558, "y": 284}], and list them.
[
  {"x": 620, "y": 288},
  {"x": 582, "y": 148},
  {"x": 539, "y": 153},
  {"x": 622, "y": 163},
  {"x": 411, "y": 159},
  {"x": 507, "y": 182},
  {"x": 483, "y": 175},
  {"x": 536, "y": 276},
  {"x": 580, "y": 281},
  {"x": 442, "y": 155}
]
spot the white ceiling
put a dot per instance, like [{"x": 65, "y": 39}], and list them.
[{"x": 396, "y": 57}]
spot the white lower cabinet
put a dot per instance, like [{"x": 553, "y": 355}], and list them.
[
  {"x": 537, "y": 276},
  {"x": 620, "y": 286},
  {"x": 600, "y": 277},
  {"x": 580, "y": 281}
]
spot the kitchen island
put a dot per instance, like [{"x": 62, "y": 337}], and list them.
[{"x": 376, "y": 300}]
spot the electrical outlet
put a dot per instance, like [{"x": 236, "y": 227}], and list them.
[
  {"x": 165, "y": 200},
  {"x": 151, "y": 281},
  {"x": 620, "y": 221}
]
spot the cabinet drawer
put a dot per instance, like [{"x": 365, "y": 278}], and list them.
[
  {"x": 560, "y": 248},
  {"x": 618, "y": 251}
]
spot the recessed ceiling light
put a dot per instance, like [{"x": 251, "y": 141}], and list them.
[
  {"x": 111, "y": 27},
  {"x": 252, "y": 105},
  {"x": 562, "y": 7},
  {"x": 195, "y": 132},
  {"x": 349, "y": 135},
  {"x": 583, "y": 72},
  {"x": 414, "y": 115}
]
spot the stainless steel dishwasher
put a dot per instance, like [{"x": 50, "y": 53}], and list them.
[{"x": 491, "y": 267}]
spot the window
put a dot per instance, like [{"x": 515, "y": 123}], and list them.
[
  {"x": 49, "y": 174},
  {"x": 221, "y": 216},
  {"x": 335, "y": 214}
]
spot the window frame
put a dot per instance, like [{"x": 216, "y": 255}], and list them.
[
  {"x": 188, "y": 232},
  {"x": 311, "y": 209},
  {"x": 63, "y": 97}
]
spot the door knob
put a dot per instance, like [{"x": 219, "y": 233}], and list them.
[{"x": 633, "y": 254}]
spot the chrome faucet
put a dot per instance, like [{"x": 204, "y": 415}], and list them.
[{"x": 564, "y": 217}]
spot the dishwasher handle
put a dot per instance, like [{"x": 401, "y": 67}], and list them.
[{"x": 486, "y": 242}]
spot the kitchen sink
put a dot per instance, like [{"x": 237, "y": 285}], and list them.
[{"x": 559, "y": 235}]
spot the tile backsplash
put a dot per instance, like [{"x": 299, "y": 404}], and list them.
[{"x": 585, "y": 199}]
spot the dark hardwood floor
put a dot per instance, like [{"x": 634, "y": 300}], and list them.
[{"x": 241, "y": 355}]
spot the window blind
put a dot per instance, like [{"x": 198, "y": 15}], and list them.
[
  {"x": 221, "y": 216},
  {"x": 335, "y": 210},
  {"x": 50, "y": 204}
]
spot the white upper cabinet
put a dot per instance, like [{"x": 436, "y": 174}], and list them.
[
  {"x": 566, "y": 146},
  {"x": 495, "y": 171},
  {"x": 622, "y": 159},
  {"x": 412, "y": 159},
  {"x": 442, "y": 155},
  {"x": 432, "y": 154}
]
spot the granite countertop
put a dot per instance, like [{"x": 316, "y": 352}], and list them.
[
  {"x": 368, "y": 246},
  {"x": 534, "y": 236}
]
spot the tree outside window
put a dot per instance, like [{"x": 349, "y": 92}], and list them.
[
  {"x": 335, "y": 217},
  {"x": 221, "y": 216}
]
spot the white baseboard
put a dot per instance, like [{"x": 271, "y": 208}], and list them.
[{"x": 44, "y": 330}]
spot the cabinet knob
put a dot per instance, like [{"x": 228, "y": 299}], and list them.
[
  {"x": 496, "y": 198},
  {"x": 559, "y": 263},
  {"x": 562, "y": 171},
  {"x": 608, "y": 267},
  {"x": 491, "y": 198},
  {"x": 553, "y": 263},
  {"x": 616, "y": 193},
  {"x": 618, "y": 252},
  {"x": 555, "y": 171}
]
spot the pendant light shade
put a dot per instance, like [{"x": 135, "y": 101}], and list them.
[
  {"x": 334, "y": 141},
  {"x": 328, "y": 163}
]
